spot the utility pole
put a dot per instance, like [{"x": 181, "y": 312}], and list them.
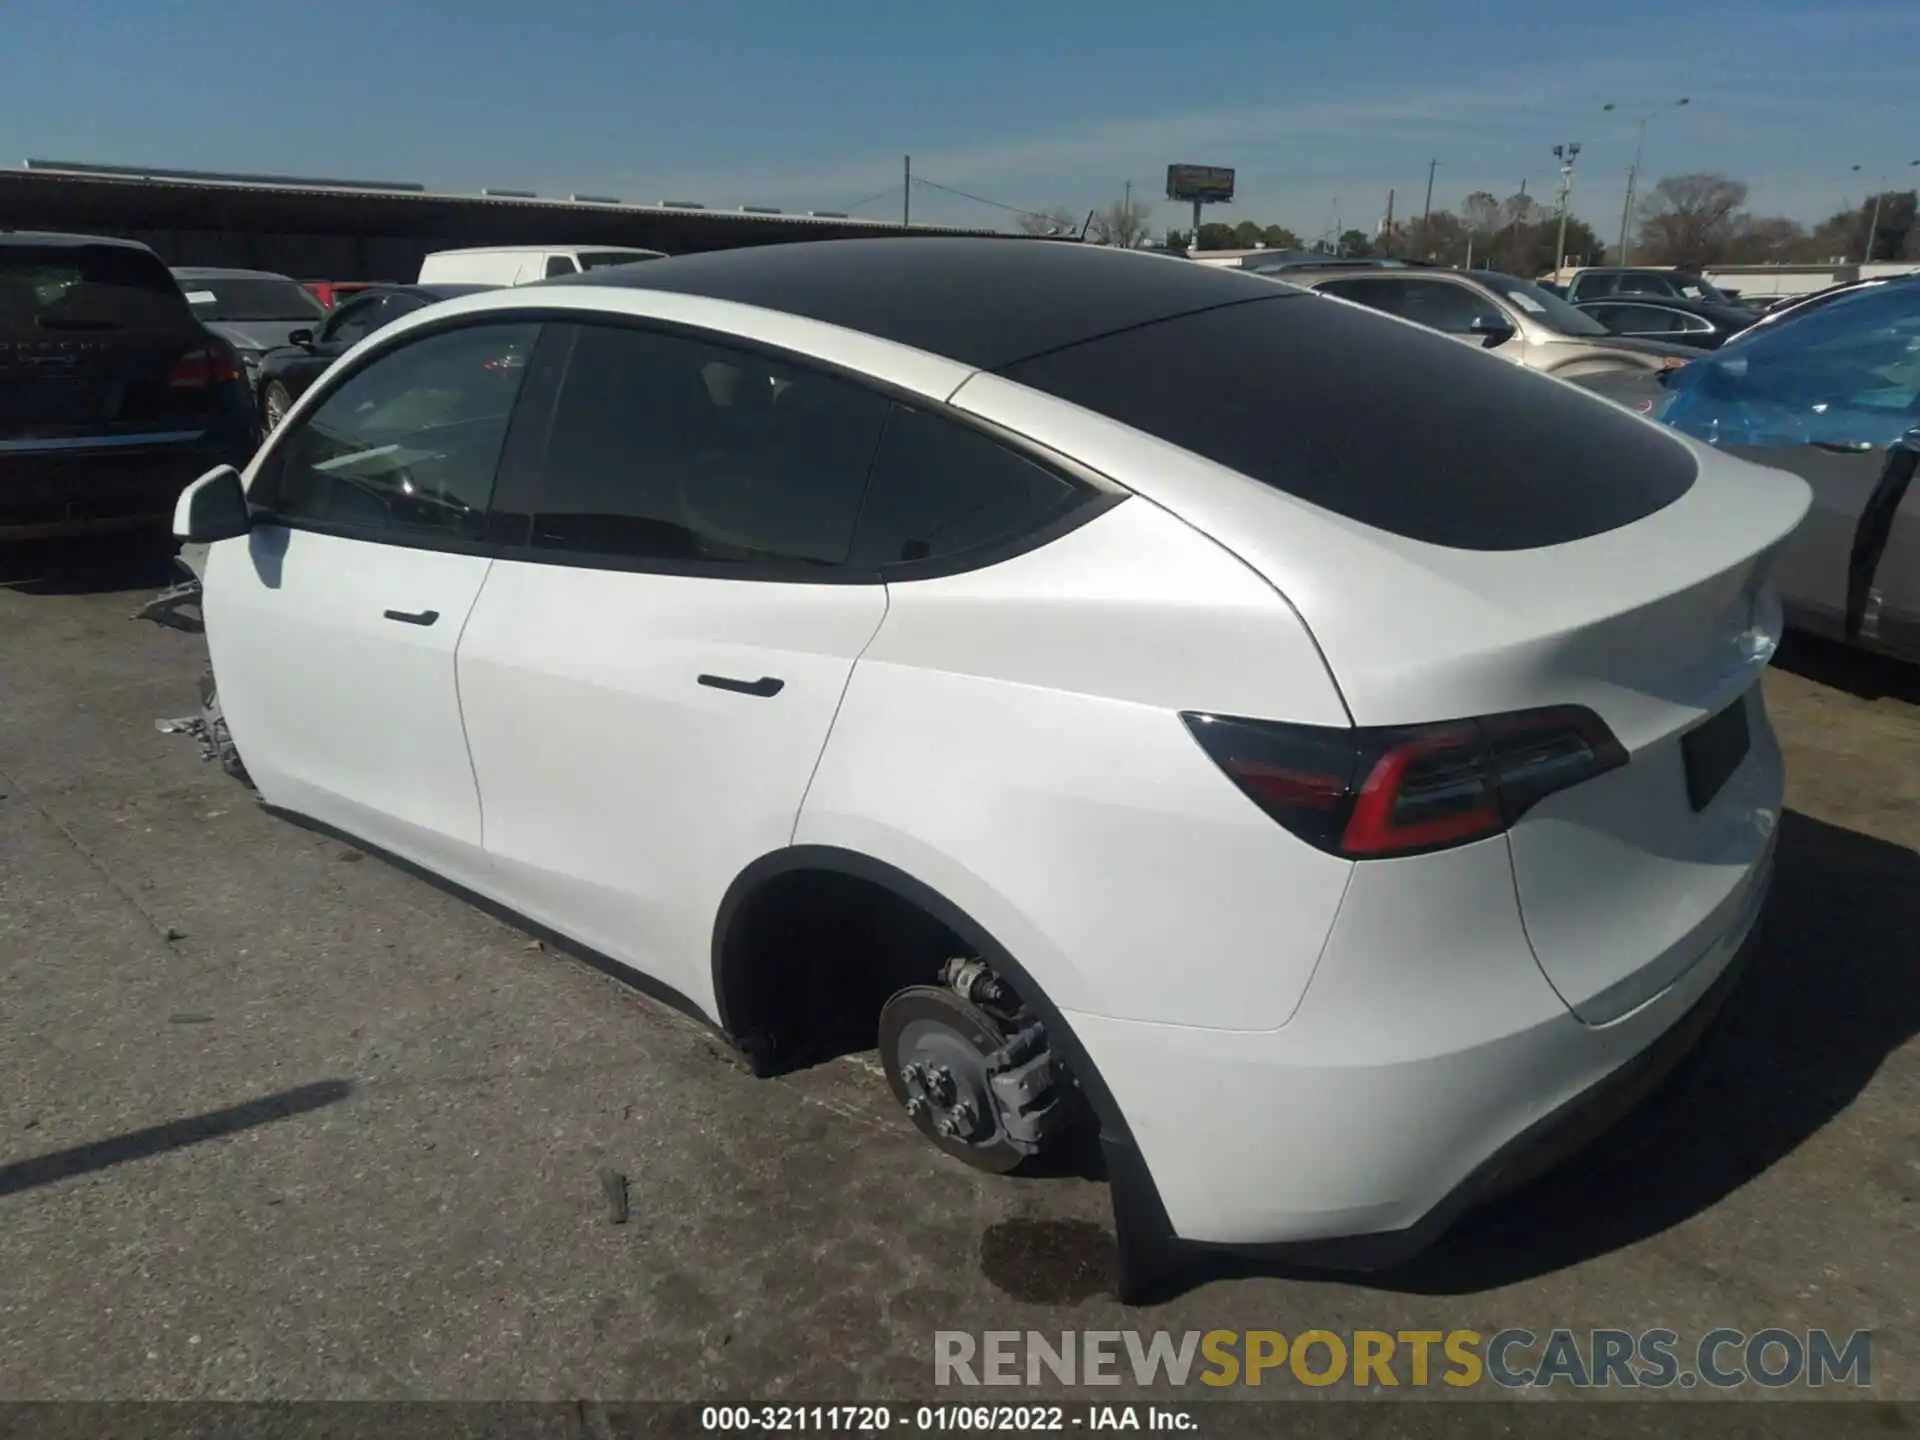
[
  {"x": 1873, "y": 225},
  {"x": 1633, "y": 178},
  {"x": 1633, "y": 170},
  {"x": 1387, "y": 242},
  {"x": 1426, "y": 210},
  {"x": 906, "y": 190},
  {"x": 1566, "y": 155}
]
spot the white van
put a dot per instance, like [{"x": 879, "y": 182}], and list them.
[{"x": 519, "y": 264}]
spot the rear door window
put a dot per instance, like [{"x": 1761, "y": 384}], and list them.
[
  {"x": 1401, "y": 430},
  {"x": 1646, "y": 319},
  {"x": 667, "y": 451},
  {"x": 1384, "y": 295}
]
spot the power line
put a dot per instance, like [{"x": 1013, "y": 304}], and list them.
[
  {"x": 980, "y": 199},
  {"x": 878, "y": 195}
]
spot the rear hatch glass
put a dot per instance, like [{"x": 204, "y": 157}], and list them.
[
  {"x": 89, "y": 338},
  {"x": 1380, "y": 422}
]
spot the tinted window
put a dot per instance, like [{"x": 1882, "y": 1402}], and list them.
[
  {"x": 1436, "y": 304},
  {"x": 1592, "y": 287},
  {"x": 1408, "y": 432},
  {"x": 939, "y": 489},
  {"x": 408, "y": 444},
  {"x": 1450, "y": 309},
  {"x": 75, "y": 288},
  {"x": 251, "y": 298},
  {"x": 1645, "y": 319},
  {"x": 601, "y": 259},
  {"x": 1643, "y": 284},
  {"x": 1843, "y": 374},
  {"x": 1541, "y": 305},
  {"x": 1374, "y": 294},
  {"x": 665, "y": 448},
  {"x": 561, "y": 265},
  {"x": 353, "y": 321}
]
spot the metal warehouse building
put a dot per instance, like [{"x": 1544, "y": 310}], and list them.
[{"x": 370, "y": 230}]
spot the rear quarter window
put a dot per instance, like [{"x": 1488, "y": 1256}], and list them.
[{"x": 1394, "y": 427}]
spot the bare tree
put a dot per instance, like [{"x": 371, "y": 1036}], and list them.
[
  {"x": 1122, "y": 224},
  {"x": 1519, "y": 209},
  {"x": 1764, "y": 240},
  {"x": 1689, "y": 219},
  {"x": 1481, "y": 213},
  {"x": 1056, "y": 220}
]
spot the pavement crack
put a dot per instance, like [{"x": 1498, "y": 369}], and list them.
[{"x": 167, "y": 935}]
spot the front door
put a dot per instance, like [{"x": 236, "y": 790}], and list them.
[
  {"x": 648, "y": 690},
  {"x": 333, "y": 625}
]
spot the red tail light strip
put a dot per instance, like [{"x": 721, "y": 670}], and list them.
[{"x": 1373, "y": 793}]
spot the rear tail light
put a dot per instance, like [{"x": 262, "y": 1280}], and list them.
[
  {"x": 1371, "y": 793},
  {"x": 205, "y": 365}
]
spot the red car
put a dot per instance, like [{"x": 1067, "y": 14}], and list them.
[{"x": 331, "y": 292}]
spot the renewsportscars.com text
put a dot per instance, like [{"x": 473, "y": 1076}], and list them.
[{"x": 1515, "y": 1358}]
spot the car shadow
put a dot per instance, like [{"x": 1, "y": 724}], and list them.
[
  {"x": 1831, "y": 992},
  {"x": 101, "y": 565},
  {"x": 1860, "y": 673}
]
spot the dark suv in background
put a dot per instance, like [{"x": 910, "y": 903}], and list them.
[{"x": 112, "y": 396}]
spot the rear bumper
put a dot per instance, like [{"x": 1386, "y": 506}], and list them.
[
  {"x": 92, "y": 489},
  {"x": 1413, "y": 1084}
]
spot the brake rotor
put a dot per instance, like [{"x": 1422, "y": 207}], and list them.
[{"x": 934, "y": 1046}]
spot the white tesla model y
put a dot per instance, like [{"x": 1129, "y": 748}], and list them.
[{"x": 1324, "y": 761}]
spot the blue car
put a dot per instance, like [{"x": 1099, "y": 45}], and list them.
[{"x": 1831, "y": 392}]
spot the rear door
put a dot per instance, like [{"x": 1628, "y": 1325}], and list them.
[
  {"x": 97, "y": 347},
  {"x": 648, "y": 687},
  {"x": 333, "y": 625}
]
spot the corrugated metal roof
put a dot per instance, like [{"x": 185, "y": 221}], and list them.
[{"x": 400, "y": 192}]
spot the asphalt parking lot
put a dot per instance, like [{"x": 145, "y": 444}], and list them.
[{"x": 280, "y": 1121}]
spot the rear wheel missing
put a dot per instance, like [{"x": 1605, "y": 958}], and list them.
[
  {"x": 935, "y": 1047},
  {"x": 971, "y": 1066}
]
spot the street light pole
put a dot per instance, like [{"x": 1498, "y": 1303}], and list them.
[
  {"x": 1633, "y": 171},
  {"x": 1566, "y": 155},
  {"x": 1873, "y": 224}
]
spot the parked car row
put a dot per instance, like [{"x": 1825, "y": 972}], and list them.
[
  {"x": 1515, "y": 319},
  {"x": 805, "y": 590}
]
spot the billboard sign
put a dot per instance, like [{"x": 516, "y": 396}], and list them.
[{"x": 1207, "y": 184}]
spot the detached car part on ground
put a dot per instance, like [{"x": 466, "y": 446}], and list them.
[
  {"x": 112, "y": 396},
  {"x": 1513, "y": 319},
  {"x": 1326, "y": 760}
]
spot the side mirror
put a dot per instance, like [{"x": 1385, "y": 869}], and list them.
[
  {"x": 1492, "y": 329},
  {"x": 303, "y": 338},
  {"x": 212, "y": 508}
]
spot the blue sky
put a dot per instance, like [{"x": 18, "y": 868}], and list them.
[{"x": 1322, "y": 108}]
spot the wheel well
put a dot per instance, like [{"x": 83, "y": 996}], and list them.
[{"x": 808, "y": 958}]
